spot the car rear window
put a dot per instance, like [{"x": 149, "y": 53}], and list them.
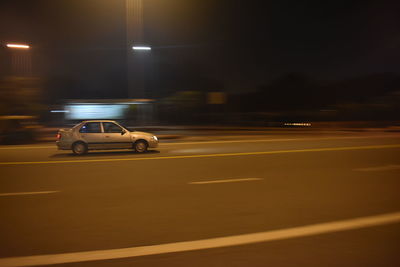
[{"x": 91, "y": 127}]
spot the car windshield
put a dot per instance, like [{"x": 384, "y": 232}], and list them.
[{"x": 123, "y": 125}]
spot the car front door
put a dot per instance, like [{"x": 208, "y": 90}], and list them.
[
  {"x": 116, "y": 136},
  {"x": 92, "y": 134}
]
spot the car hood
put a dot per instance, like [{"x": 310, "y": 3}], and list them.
[{"x": 141, "y": 133}]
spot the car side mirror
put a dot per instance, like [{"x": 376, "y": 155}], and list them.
[{"x": 123, "y": 132}]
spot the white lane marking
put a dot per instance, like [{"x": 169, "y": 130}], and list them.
[
  {"x": 227, "y": 181},
  {"x": 235, "y": 240},
  {"x": 379, "y": 168},
  {"x": 27, "y": 193}
]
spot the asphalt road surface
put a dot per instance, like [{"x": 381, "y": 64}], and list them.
[{"x": 312, "y": 200}]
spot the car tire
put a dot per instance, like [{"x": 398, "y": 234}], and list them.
[
  {"x": 79, "y": 148},
  {"x": 140, "y": 146}
]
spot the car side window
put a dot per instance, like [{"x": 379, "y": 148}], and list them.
[
  {"x": 90, "y": 127},
  {"x": 110, "y": 127}
]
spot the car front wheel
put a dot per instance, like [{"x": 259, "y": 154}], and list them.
[
  {"x": 79, "y": 148},
  {"x": 140, "y": 146}
]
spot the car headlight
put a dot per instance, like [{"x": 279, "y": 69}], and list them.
[{"x": 155, "y": 138}]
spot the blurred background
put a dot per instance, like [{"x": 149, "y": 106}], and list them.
[
  {"x": 278, "y": 125},
  {"x": 177, "y": 62}
]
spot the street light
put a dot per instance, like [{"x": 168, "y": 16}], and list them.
[
  {"x": 141, "y": 48},
  {"x": 21, "y": 59},
  {"x": 20, "y": 46}
]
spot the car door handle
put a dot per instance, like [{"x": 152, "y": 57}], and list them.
[{"x": 107, "y": 136}]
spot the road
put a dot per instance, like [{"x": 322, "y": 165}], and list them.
[{"x": 304, "y": 200}]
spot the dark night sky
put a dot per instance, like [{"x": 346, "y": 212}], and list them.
[{"x": 237, "y": 44}]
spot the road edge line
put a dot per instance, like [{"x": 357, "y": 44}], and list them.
[{"x": 228, "y": 241}]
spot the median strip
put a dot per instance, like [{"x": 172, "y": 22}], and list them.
[
  {"x": 249, "y": 140},
  {"x": 204, "y": 155},
  {"x": 227, "y": 241},
  {"x": 12, "y": 147},
  {"x": 379, "y": 168},
  {"x": 26, "y": 147}
]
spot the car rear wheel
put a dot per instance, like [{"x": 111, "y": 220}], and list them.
[
  {"x": 79, "y": 148},
  {"x": 140, "y": 146}
]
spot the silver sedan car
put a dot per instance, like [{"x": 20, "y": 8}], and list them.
[{"x": 103, "y": 134}]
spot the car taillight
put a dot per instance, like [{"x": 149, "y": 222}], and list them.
[{"x": 58, "y": 136}]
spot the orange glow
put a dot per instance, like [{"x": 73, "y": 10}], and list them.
[{"x": 298, "y": 124}]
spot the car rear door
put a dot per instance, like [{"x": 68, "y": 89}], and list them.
[
  {"x": 92, "y": 134},
  {"x": 116, "y": 136}
]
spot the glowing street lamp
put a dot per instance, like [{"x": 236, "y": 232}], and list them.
[
  {"x": 21, "y": 59},
  {"x": 141, "y": 48},
  {"x": 19, "y": 46}
]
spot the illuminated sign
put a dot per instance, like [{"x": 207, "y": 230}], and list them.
[{"x": 95, "y": 111}]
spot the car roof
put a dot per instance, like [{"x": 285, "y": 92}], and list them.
[{"x": 97, "y": 121}]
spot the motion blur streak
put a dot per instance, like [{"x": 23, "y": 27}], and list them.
[{"x": 301, "y": 231}]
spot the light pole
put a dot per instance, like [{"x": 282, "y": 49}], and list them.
[
  {"x": 135, "y": 61},
  {"x": 21, "y": 60},
  {"x": 137, "y": 58}
]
